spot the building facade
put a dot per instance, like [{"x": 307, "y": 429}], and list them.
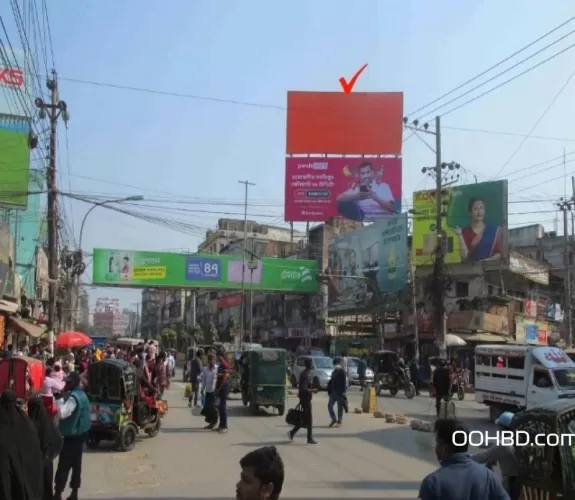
[{"x": 150, "y": 312}]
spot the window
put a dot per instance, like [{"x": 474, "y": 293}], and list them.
[
  {"x": 516, "y": 363},
  {"x": 490, "y": 290},
  {"x": 542, "y": 379},
  {"x": 301, "y": 362},
  {"x": 461, "y": 289}
]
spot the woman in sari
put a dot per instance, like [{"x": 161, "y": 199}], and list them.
[{"x": 480, "y": 240}]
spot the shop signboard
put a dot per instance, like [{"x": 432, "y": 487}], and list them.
[
  {"x": 360, "y": 189},
  {"x": 474, "y": 223},
  {"x": 530, "y": 331},
  {"x": 368, "y": 268},
  {"x": 135, "y": 269},
  {"x": 529, "y": 268},
  {"x": 16, "y": 84}
]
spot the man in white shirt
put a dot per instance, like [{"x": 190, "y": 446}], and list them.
[
  {"x": 171, "y": 363},
  {"x": 209, "y": 379},
  {"x": 369, "y": 200}
]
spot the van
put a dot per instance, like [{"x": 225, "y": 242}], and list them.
[{"x": 517, "y": 377}]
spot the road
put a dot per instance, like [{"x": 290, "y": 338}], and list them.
[{"x": 366, "y": 458}]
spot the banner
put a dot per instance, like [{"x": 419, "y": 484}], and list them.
[
  {"x": 361, "y": 189},
  {"x": 529, "y": 331},
  {"x": 474, "y": 222},
  {"x": 335, "y": 123},
  {"x": 14, "y": 162},
  {"x": 368, "y": 268},
  {"x": 136, "y": 269},
  {"x": 16, "y": 85}
]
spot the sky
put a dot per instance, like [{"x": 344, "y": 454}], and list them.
[{"x": 125, "y": 142}]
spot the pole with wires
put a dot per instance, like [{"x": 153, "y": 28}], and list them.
[
  {"x": 246, "y": 184},
  {"x": 53, "y": 111},
  {"x": 565, "y": 207}
]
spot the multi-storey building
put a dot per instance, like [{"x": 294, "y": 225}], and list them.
[{"x": 150, "y": 312}]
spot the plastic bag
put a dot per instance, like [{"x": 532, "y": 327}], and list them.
[{"x": 187, "y": 390}]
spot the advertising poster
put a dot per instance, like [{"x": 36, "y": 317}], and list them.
[
  {"x": 474, "y": 222},
  {"x": 16, "y": 85},
  {"x": 14, "y": 162},
  {"x": 361, "y": 123},
  {"x": 129, "y": 268},
  {"x": 361, "y": 189},
  {"x": 368, "y": 268}
]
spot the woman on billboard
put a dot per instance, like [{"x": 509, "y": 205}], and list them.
[{"x": 480, "y": 240}]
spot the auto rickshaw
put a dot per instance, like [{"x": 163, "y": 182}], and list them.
[
  {"x": 547, "y": 471},
  {"x": 119, "y": 408},
  {"x": 24, "y": 375},
  {"x": 458, "y": 383},
  {"x": 389, "y": 375},
  {"x": 265, "y": 384}
]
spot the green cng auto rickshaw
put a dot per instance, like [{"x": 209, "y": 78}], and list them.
[
  {"x": 264, "y": 382},
  {"x": 546, "y": 471},
  {"x": 119, "y": 410}
]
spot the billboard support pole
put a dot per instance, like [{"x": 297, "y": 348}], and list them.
[{"x": 246, "y": 184}]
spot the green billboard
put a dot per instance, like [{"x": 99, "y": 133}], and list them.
[
  {"x": 14, "y": 162},
  {"x": 129, "y": 268}
]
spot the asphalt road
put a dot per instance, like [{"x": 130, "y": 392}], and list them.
[{"x": 366, "y": 458}]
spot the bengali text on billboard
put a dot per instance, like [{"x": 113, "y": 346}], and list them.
[
  {"x": 368, "y": 268},
  {"x": 14, "y": 162},
  {"x": 128, "y": 268},
  {"x": 338, "y": 123},
  {"x": 474, "y": 222},
  {"x": 361, "y": 189}
]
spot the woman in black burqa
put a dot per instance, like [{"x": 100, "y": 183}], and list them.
[
  {"x": 21, "y": 463},
  {"x": 50, "y": 442}
]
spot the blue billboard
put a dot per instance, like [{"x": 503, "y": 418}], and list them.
[
  {"x": 17, "y": 91},
  {"x": 368, "y": 268}
]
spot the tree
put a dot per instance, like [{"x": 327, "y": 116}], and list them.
[
  {"x": 231, "y": 329},
  {"x": 196, "y": 335},
  {"x": 211, "y": 333},
  {"x": 168, "y": 337}
]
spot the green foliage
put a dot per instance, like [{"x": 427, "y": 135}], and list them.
[{"x": 211, "y": 333}]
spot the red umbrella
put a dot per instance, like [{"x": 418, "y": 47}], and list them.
[{"x": 68, "y": 340}]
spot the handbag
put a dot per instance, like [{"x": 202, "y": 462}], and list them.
[{"x": 296, "y": 417}]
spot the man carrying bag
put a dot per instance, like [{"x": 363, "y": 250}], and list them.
[{"x": 305, "y": 396}]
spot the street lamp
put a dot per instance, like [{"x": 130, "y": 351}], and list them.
[{"x": 99, "y": 204}]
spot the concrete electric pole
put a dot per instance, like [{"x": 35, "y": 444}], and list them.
[
  {"x": 247, "y": 185},
  {"x": 443, "y": 175},
  {"x": 53, "y": 111},
  {"x": 566, "y": 207}
]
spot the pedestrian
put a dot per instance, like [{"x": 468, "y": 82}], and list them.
[
  {"x": 504, "y": 456},
  {"x": 305, "y": 396},
  {"x": 21, "y": 460},
  {"x": 414, "y": 374},
  {"x": 75, "y": 422},
  {"x": 336, "y": 391},
  {"x": 209, "y": 380},
  {"x": 50, "y": 442},
  {"x": 222, "y": 392},
  {"x": 442, "y": 384},
  {"x": 195, "y": 377},
  {"x": 459, "y": 476},
  {"x": 161, "y": 375},
  {"x": 171, "y": 364},
  {"x": 262, "y": 475}
]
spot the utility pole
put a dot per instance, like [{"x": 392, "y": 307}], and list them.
[
  {"x": 53, "y": 111},
  {"x": 565, "y": 207},
  {"x": 444, "y": 175},
  {"x": 414, "y": 308},
  {"x": 246, "y": 184}
]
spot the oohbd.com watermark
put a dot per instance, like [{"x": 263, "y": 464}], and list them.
[{"x": 510, "y": 438}]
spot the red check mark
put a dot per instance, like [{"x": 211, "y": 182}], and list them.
[{"x": 348, "y": 87}]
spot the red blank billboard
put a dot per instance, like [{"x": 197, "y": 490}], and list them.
[{"x": 336, "y": 123}]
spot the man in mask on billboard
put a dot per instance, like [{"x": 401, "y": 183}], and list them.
[{"x": 369, "y": 200}]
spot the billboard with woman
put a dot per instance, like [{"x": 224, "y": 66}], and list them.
[{"x": 474, "y": 222}]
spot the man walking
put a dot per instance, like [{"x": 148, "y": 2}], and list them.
[
  {"x": 209, "y": 380},
  {"x": 305, "y": 394},
  {"x": 195, "y": 377},
  {"x": 336, "y": 390},
  {"x": 74, "y": 425}
]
